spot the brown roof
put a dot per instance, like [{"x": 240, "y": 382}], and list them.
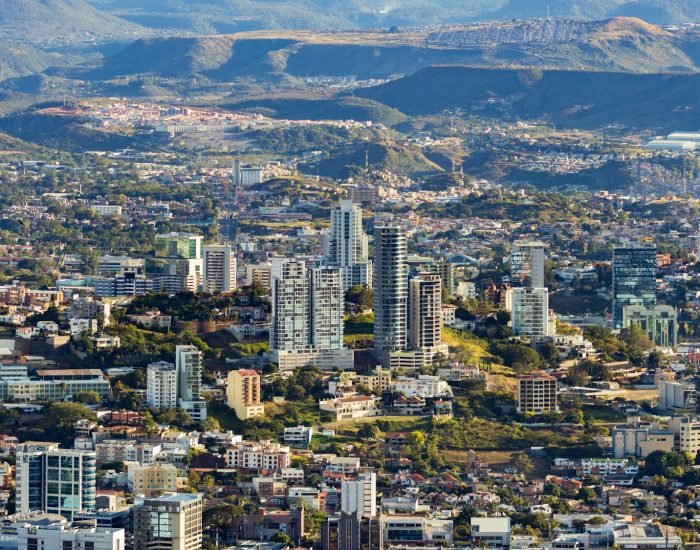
[{"x": 69, "y": 372}]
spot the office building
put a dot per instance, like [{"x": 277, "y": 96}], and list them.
[
  {"x": 352, "y": 532},
  {"x": 188, "y": 362},
  {"x": 530, "y": 311},
  {"x": 359, "y": 496},
  {"x": 307, "y": 318},
  {"x": 390, "y": 291},
  {"x": 640, "y": 439},
  {"x": 57, "y": 481},
  {"x": 659, "y": 322},
  {"x": 48, "y": 535},
  {"x": 537, "y": 393},
  {"x": 243, "y": 394},
  {"x": 168, "y": 522},
  {"x": 346, "y": 245},
  {"x": 527, "y": 262},
  {"x": 219, "y": 268},
  {"x": 161, "y": 385},
  {"x": 634, "y": 278}
]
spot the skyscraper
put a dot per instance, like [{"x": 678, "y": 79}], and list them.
[
  {"x": 634, "y": 278},
  {"x": 188, "y": 362},
  {"x": 527, "y": 264},
  {"x": 346, "y": 245},
  {"x": 327, "y": 305},
  {"x": 425, "y": 311},
  {"x": 290, "y": 308},
  {"x": 57, "y": 481},
  {"x": 161, "y": 385},
  {"x": 169, "y": 522},
  {"x": 390, "y": 290},
  {"x": 307, "y": 317},
  {"x": 219, "y": 268}
]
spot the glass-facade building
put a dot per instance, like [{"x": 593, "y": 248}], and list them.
[{"x": 634, "y": 278}]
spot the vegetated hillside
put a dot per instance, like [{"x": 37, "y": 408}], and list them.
[
  {"x": 18, "y": 59},
  {"x": 397, "y": 158},
  {"x": 61, "y": 22},
  {"x": 579, "y": 99},
  {"x": 617, "y": 44},
  {"x": 344, "y": 108},
  {"x": 59, "y": 128},
  {"x": 223, "y": 16}
]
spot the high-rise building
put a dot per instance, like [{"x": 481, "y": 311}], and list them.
[
  {"x": 425, "y": 311},
  {"x": 537, "y": 393},
  {"x": 57, "y": 481},
  {"x": 169, "y": 522},
  {"x": 161, "y": 385},
  {"x": 530, "y": 311},
  {"x": 359, "y": 496},
  {"x": 188, "y": 362},
  {"x": 326, "y": 308},
  {"x": 346, "y": 245},
  {"x": 527, "y": 261},
  {"x": 677, "y": 395},
  {"x": 290, "y": 309},
  {"x": 243, "y": 393},
  {"x": 307, "y": 317},
  {"x": 219, "y": 268},
  {"x": 390, "y": 291},
  {"x": 634, "y": 278},
  {"x": 179, "y": 245}
]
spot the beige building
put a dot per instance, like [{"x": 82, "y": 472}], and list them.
[
  {"x": 243, "y": 394},
  {"x": 169, "y": 522},
  {"x": 261, "y": 455},
  {"x": 152, "y": 480},
  {"x": 351, "y": 407},
  {"x": 686, "y": 431},
  {"x": 537, "y": 393},
  {"x": 378, "y": 382}
]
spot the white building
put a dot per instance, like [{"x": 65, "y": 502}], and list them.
[
  {"x": 161, "y": 385},
  {"x": 424, "y": 386},
  {"x": 491, "y": 532},
  {"x": 677, "y": 395},
  {"x": 260, "y": 455},
  {"x": 188, "y": 362},
  {"x": 219, "y": 268},
  {"x": 351, "y": 407},
  {"x": 107, "y": 210},
  {"x": 346, "y": 245},
  {"x": 360, "y": 495},
  {"x": 527, "y": 262},
  {"x": 530, "y": 314},
  {"x": 307, "y": 318},
  {"x": 61, "y": 536}
]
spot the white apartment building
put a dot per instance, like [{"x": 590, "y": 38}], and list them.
[
  {"x": 161, "y": 385},
  {"x": 219, "y": 268},
  {"x": 188, "y": 361},
  {"x": 424, "y": 386},
  {"x": 346, "y": 245},
  {"x": 351, "y": 407},
  {"x": 107, "y": 210}
]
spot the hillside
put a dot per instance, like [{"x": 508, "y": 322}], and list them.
[
  {"x": 581, "y": 99},
  {"x": 624, "y": 44},
  {"x": 60, "y": 22},
  {"x": 224, "y": 16}
]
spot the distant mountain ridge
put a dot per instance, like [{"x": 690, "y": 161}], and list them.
[
  {"x": 58, "y": 22},
  {"x": 225, "y": 16}
]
